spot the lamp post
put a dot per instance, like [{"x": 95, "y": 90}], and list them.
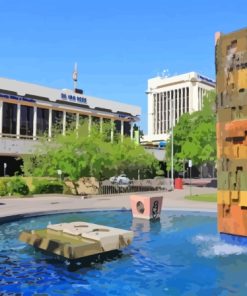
[
  {"x": 59, "y": 172},
  {"x": 172, "y": 146},
  {"x": 4, "y": 169}
]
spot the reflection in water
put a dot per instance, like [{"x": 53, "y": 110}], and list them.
[{"x": 145, "y": 225}]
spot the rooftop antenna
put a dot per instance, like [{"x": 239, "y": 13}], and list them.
[
  {"x": 75, "y": 76},
  {"x": 165, "y": 73}
]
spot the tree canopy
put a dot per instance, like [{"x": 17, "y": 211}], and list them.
[
  {"x": 195, "y": 136},
  {"x": 79, "y": 154}
]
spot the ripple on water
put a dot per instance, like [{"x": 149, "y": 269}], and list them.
[
  {"x": 170, "y": 257},
  {"x": 212, "y": 246}
]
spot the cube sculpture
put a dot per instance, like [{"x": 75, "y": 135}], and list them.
[
  {"x": 77, "y": 239},
  {"x": 146, "y": 207},
  {"x": 231, "y": 85}
]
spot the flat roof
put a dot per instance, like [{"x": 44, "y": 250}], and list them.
[{"x": 65, "y": 95}]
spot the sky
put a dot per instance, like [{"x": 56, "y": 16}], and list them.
[{"x": 118, "y": 45}]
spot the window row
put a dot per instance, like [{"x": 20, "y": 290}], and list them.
[
  {"x": 168, "y": 107},
  {"x": 27, "y": 121}
]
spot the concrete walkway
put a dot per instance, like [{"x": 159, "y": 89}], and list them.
[{"x": 14, "y": 208}]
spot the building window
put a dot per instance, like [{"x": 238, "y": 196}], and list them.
[
  {"x": 155, "y": 117},
  {"x": 26, "y": 124},
  {"x": 42, "y": 121},
  {"x": 184, "y": 100},
  {"x": 57, "y": 120},
  {"x": 95, "y": 120},
  {"x": 117, "y": 124},
  {"x": 83, "y": 123},
  {"x": 9, "y": 118},
  {"x": 187, "y": 99},
  {"x": 158, "y": 113},
  {"x": 165, "y": 110},
  {"x": 107, "y": 128},
  {"x": 83, "y": 119},
  {"x": 168, "y": 111},
  {"x": 70, "y": 120},
  {"x": 176, "y": 105},
  {"x": 179, "y": 103},
  {"x": 126, "y": 128}
]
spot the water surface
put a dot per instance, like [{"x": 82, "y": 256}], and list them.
[{"x": 181, "y": 254}]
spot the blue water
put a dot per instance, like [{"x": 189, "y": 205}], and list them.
[{"x": 180, "y": 255}]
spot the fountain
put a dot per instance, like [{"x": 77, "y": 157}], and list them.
[{"x": 231, "y": 84}]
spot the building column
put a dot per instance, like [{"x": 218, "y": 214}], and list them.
[
  {"x": 18, "y": 121},
  {"x": 122, "y": 130},
  {"x": 89, "y": 123},
  {"x": 101, "y": 124},
  {"x": 34, "y": 122},
  {"x": 50, "y": 124},
  {"x": 64, "y": 123},
  {"x": 150, "y": 113},
  {"x": 1, "y": 118},
  {"x": 177, "y": 110},
  {"x": 166, "y": 110},
  {"x": 77, "y": 121},
  {"x": 131, "y": 130},
  {"x": 155, "y": 115},
  {"x": 112, "y": 130}
]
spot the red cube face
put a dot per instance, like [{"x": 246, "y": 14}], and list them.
[{"x": 146, "y": 207}]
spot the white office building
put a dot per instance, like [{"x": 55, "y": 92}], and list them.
[
  {"x": 29, "y": 111},
  {"x": 171, "y": 97}
]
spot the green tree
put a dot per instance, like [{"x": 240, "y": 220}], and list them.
[
  {"x": 78, "y": 155},
  {"x": 195, "y": 136}
]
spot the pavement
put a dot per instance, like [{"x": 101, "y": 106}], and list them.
[{"x": 15, "y": 208}]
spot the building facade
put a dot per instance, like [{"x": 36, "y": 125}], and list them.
[
  {"x": 171, "y": 97},
  {"x": 29, "y": 111}
]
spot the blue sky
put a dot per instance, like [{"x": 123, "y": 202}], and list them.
[{"x": 118, "y": 45}]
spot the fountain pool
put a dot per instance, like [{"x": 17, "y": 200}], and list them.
[{"x": 181, "y": 254}]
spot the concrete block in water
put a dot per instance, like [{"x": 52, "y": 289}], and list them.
[
  {"x": 146, "y": 207},
  {"x": 77, "y": 239}
]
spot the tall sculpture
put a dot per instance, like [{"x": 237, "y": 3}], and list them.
[{"x": 231, "y": 85}]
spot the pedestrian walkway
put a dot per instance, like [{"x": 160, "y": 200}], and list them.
[{"x": 12, "y": 208}]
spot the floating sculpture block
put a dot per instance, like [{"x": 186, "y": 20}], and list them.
[
  {"x": 77, "y": 239},
  {"x": 231, "y": 84},
  {"x": 146, "y": 207}
]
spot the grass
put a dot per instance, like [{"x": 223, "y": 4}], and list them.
[{"x": 203, "y": 197}]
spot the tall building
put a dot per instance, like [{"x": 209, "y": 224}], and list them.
[
  {"x": 29, "y": 111},
  {"x": 169, "y": 98}
]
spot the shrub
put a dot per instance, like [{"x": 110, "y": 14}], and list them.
[
  {"x": 3, "y": 188},
  {"x": 17, "y": 185},
  {"x": 47, "y": 186}
]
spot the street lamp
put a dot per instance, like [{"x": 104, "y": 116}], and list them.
[
  {"x": 4, "y": 169},
  {"x": 172, "y": 147},
  {"x": 59, "y": 172}
]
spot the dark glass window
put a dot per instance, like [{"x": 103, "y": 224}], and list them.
[
  {"x": 83, "y": 119},
  {"x": 126, "y": 128},
  {"x": 83, "y": 124},
  {"x": 70, "y": 120},
  {"x": 107, "y": 128},
  {"x": 42, "y": 121},
  {"x": 57, "y": 120},
  {"x": 107, "y": 120},
  {"x": 187, "y": 99},
  {"x": 117, "y": 126},
  {"x": 95, "y": 120},
  {"x": 184, "y": 100},
  {"x": 9, "y": 118},
  {"x": 26, "y": 124}
]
